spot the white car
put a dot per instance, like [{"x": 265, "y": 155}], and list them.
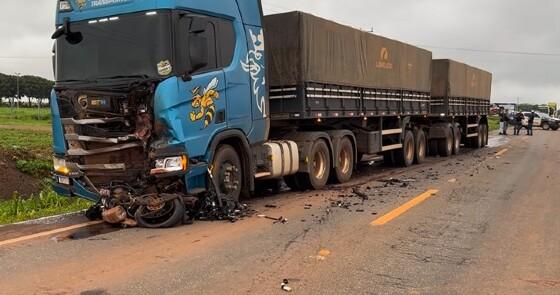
[{"x": 542, "y": 120}]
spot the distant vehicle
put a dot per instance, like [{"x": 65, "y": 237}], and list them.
[{"x": 542, "y": 120}]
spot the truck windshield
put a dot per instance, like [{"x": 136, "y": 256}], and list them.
[{"x": 132, "y": 45}]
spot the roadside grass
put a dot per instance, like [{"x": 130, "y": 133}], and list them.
[
  {"x": 25, "y": 116},
  {"x": 31, "y": 151},
  {"x": 493, "y": 123},
  {"x": 46, "y": 203}
]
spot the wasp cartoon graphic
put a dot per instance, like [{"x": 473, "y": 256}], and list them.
[
  {"x": 203, "y": 103},
  {"x": 81, "y": 4}
]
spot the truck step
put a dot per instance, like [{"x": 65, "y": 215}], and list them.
[
  {"x": 391, "y": 131},
  {"x": 392, "y": 147}
]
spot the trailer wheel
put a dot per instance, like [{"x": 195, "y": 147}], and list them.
[
  {"x": 420, "y": 140},
  {"x": 456, "y": 140},
  {"x": 343, "y": 171},
  {"x": 404, "y": 157},
  {"x": 227, "y": 172},
  {"x": 320, "y": 167},
  {"x": 475, "y": 142},
  {"x": 480, "y": 138},
  {"x": 445, "y": 145},
  {"x": 484, "y": 135}
]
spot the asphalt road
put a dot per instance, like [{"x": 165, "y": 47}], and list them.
[{"x": 493, "y": 227}]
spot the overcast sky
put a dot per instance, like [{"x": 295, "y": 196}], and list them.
[{"x": 489, "y": 29}]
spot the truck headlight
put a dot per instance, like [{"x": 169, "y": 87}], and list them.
[
  {"x": 170, "y": 164},
  {"x": 60, "y": 166}
]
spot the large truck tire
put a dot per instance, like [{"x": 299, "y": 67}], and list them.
[
  {"x": 170, "y": 215},
  {"x": 404, "y": 157},
  {"x": 456, "y": 140},
  {"x": 343, "y": 172},
  {"x": 228, "y": 172},
  {"x": 445, "y": 145},
  {"x": 319, "y": 169},
  {"x": 421, "y": 146},
  {"x": 484, "y": 135},
  {"x": 476, "y": 141}
]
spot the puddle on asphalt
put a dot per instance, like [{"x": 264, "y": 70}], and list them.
[
  {"x": 92, "y": 233},
  {"x": 497, "y": 141}
]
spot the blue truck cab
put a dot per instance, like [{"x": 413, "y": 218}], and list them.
[{"x": 147, "y": 90}]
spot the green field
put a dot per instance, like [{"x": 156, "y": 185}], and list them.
[
  {"x": 493, "y": 123},
  {"x": 25, "y": 116}
]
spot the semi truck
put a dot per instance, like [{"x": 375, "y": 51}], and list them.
[{"x": 168, "y": 110}]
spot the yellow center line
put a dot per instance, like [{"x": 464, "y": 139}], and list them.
[
  {"x": 48, "y": 233},
  {"x": 501, "y": 152},
  {"x": 405, "y": 207}
]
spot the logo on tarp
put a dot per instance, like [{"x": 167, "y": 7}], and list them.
[
  {"x": 81, "y": 4},
  {"x": 203, "y": 103},
  {"x": 383, "y": 62}
]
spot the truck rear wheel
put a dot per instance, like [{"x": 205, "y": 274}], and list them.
[
  {"x": 420, "y": 141},
  {"x": 343, "y": 172},
  {"x": 404, "y": 157},
  {"x": 227, "y": 171},
  {"x": 445, "y": 145},
  {"x": 319, "y": 169}
]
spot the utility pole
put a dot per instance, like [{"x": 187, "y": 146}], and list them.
[{"x": 17, "y": 83}]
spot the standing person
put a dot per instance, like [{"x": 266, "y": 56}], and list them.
[
  {"x": 518, "y": 122},
  {"x": 501, "y": 115},
  {"x": 530, "y": 120},
  {"x": 506, "y": 120}
]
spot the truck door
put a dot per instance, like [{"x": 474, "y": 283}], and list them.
[{"x": 204, "y": 89}]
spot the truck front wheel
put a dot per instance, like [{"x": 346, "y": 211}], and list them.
[{"x": 227, "y": 172}]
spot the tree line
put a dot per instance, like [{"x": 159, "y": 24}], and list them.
[{"x": 29, "y": 86}]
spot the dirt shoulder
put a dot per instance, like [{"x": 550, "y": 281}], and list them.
[{"x": 12, "y": 180}]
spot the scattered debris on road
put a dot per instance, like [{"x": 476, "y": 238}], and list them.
[
  {"x": 280, "y": 219},
  {"x": 284, "y": 286}
]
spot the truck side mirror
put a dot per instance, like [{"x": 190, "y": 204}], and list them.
[{"x": 198, "y": 44}]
